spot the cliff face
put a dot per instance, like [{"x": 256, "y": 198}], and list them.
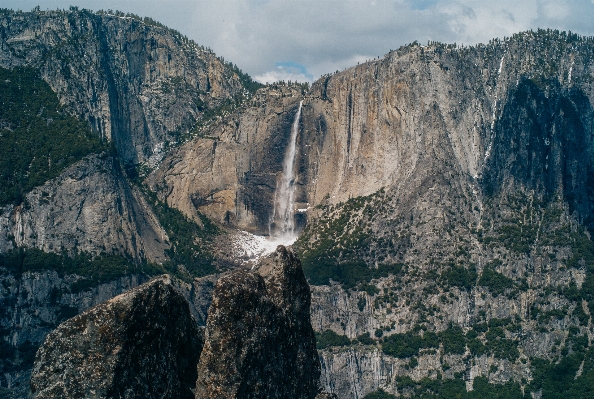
[
  {"x": 230, "y": 174},
  {"x": 259, "y": 342},
  {"x": 485, "y": 156},
  {"x": 91, "y": 207},
  {"x": 467, "y": 119},
  {"x": 421, "y": 108},
  {"x": 139, "y": 85},
  {"x": 143, "y": 343},
  {"x": 448, "y": 188}
]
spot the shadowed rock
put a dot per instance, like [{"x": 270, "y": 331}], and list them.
[
  {"x": 141, "y": 344},
  {"x": 259, "y": 341}
]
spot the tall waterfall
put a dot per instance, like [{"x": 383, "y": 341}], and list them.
[{"x": 283, "y": 223}]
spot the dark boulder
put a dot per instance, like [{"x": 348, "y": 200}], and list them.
[
  {"x": 259, "y": 342},
  {"x": 141, "y": 344}
]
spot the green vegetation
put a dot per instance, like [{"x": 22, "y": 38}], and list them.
[
  {"x": 410, "y": 343},
  {"x": 329, "y": 338},
  {"x": 189, "y": 254},
  {"x": 95, "y": 271},
  {"x": 37, "y": 138},
  {"x": 16, "y": 358},
  {"x": 459, "y": 276},
  {"x": 366, "y": 339},
  {"x": 343, "y": 245},
  {"x": 246, "y": 80},
  {"x": 379, "y": 394},
  {"x": 442, "y": 388},
  {"x": 496, "y": 282},
  {"x": 454, "y": 341}
]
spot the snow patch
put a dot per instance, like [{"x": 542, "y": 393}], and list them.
[{"x": 249, "y": 248}]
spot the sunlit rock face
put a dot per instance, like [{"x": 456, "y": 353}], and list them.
[{"x": 231, "y": 173}]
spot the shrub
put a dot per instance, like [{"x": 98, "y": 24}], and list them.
[
  {"x": 379, "y": 394},
  {"x": 496, "y": 282},
  {"x": 329, "y": 338}
]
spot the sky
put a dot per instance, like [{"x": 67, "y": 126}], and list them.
[{"x": 300, "y": 40}]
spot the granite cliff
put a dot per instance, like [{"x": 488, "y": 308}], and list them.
[
  {"x": 139, "y": 86},
  {"x": 138, "y": 83},
  {"x": 445, "y": 193},
  {"x": 449, "y": 192}
]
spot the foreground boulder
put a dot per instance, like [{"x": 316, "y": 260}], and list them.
[
  {"x": 141, "y": 344},
  {"x": 259, "y": 341}
]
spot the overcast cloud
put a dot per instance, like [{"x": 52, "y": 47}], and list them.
[{"x": 303, "y": 39}]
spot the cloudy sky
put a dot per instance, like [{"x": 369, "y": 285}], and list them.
[{"x": 303, "y": 39}]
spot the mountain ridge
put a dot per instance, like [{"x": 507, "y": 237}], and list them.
[{"x": 447, "y": 190}]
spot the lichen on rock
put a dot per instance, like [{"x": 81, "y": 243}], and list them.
[
  {"x": 259, "y": 342},
  {"x": 141, "y": 344}
]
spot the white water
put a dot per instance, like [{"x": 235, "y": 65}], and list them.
[
  {"x": 282, "y": 226},
  {"x": 249, "y": 247},
  {"x": 494, "y": 115}
]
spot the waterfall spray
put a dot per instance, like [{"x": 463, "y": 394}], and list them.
[{"x": 283, "y": 223}]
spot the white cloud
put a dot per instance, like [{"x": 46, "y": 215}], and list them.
[
  {"x": 328, "y": 35},
  {"x": 275, "y": 76}
]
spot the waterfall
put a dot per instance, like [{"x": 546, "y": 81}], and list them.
[{"x": 282, "y": 222}]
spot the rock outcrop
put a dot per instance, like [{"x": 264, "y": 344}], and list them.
[
  {"x": 33, "y": 303},
  {"x": 140, "y": 344},
  {"x": 259, "y": 342}
]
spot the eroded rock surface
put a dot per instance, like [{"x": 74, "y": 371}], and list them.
[
  {"x": 91, "y": 207},
  {"x": 230, "y": 174},
  {"x": 259, "y": 342},
  {"x": 141, "y": 344}
]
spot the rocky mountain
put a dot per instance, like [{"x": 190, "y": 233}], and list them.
[
  {"x": 138, "y": 84},
  {"x": 449, "y": 194},
  {"x": 142, "y": 88},
  {"x": 443, "y": 194},
  {"x": 258, "y": 342}
]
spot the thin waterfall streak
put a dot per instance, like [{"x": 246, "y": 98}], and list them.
[{"x": 284, "y": 196}]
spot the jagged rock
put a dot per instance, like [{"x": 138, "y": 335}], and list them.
[
  {"x": 141, "y": 344},
  {"x": 34, "y": 303},
  {"x": 259, "y": 341}
]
